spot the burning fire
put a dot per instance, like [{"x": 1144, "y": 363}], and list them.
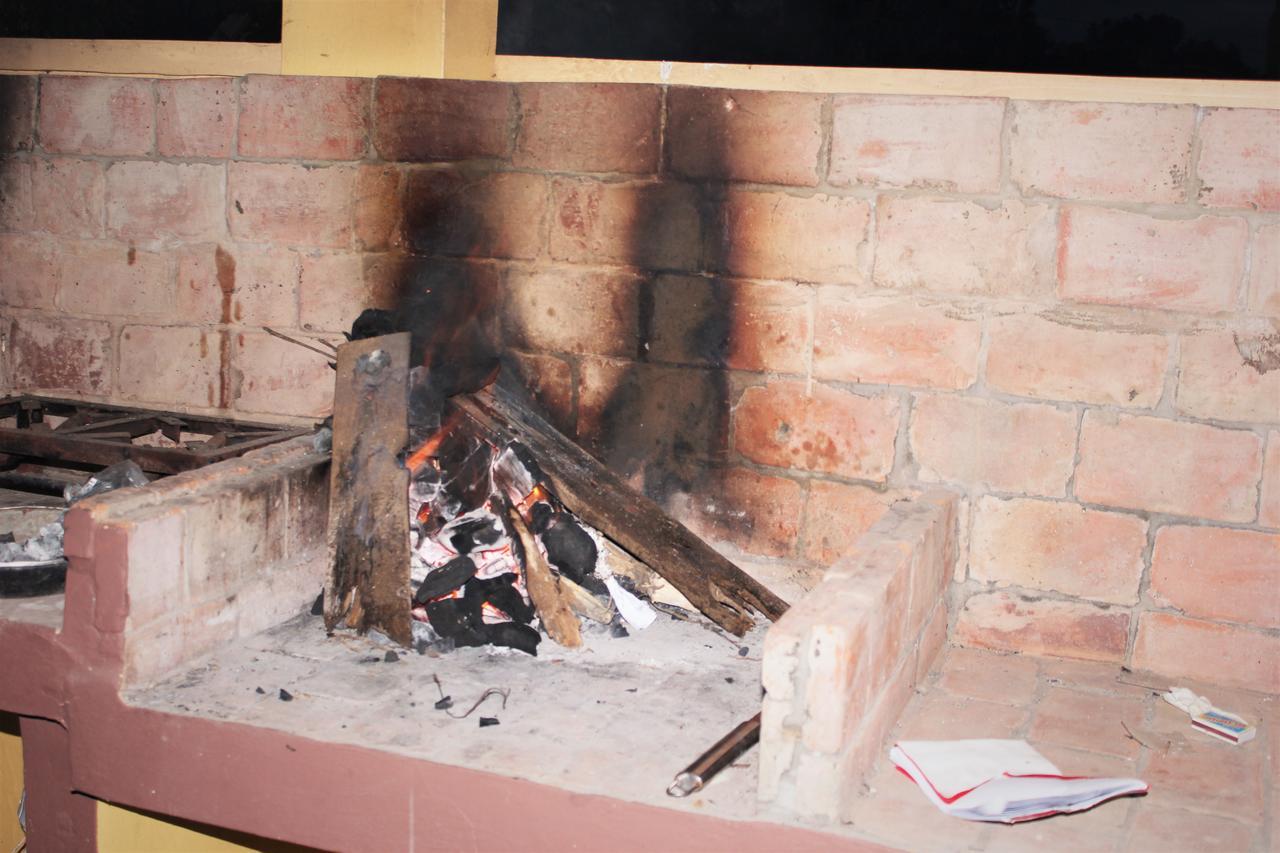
[{"x": 431, "y": 446}]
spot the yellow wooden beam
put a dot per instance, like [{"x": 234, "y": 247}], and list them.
[
  {"x": 364, "y": 38},
  {"x": 11, "y": 782},
  {"x": 894, "y": 81},
  {"x": 141, "y": 58},
  {"x": 470, "y": 38}
]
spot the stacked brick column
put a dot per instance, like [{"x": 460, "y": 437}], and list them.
[{"x": 1064, "y": 313}]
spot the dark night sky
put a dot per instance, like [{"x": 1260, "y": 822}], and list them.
[
  {"x": 1175, "y": 38},
  {"x": 1161, "y": 38}
]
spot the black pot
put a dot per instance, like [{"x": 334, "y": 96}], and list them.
[{"x": 25, "y": 580}]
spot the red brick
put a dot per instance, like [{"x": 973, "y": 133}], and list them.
[
  {"x": 758, "y": 513},
  {"x": 1059, "y": 547},
  {"x": 950, "y": 144},
  {"x": 549, "y": 381},
  {"x": 654, "y": 425},
  {"x": 1112, "y": 152},
  {"x": 822, "y": 429},
  {"x": 1218, "y": 654},
  {"x": 1218, "y": 573},
  {"x": 655, "y": 226},
  {"x": 96, "y": 115},
  {"x": 173, "y": 642},
  {"x": 17, "y": 119},
  {"x": 1269, "y": 506},
  {"x": 262, "y": 285},
  {"x": 1088, "y": 721},
  {"x": 463, "y": 295},
  {"x": 68, "y": 196},
  {"x": 290, "y": 205},
  {"x": 1056, "y": 359},
  {"x": 333, "y": 291},
  {"x": 893, "y": 340},
  {"x": 1165, "y": 466},
  {"x": 278, "y": 378},
  {"x": 588, "y": 127},
  {"x": 376, "y": 211},
  {"x": 15, "y": 195},
  {"x": 173, "y": 366},
  {"x": 233, "y": 535},
  {"x": 195, "y": 117},
  {"x": 266, "y": 602},
  {"x": 573, "y": 311},
  {"x": 112, "y": 279},
  {"x": 938, "y": 716},
  {"x": 1004, "y": 447},
  {"x": 28, "y": 272},
  {"x": 1239, "y": 163},
  {"x": 1004, "y": 679},
  {"x": 1230, "y": 376},
  {"x": 744, "y": 325},
  {"x": 952, "y": 246},
  {"x": 837, "y": 515},
  {"x": 732, "y": 135},
  {"x": 157, "y": 582},
  {"x": 1158, "y": 828},
  {"x": 1264, "y": 271},
  {"x": 423, "y": 120},
  {"x": 155, "y": 201},
  {"x": 1007, "y": 622},
  {"x": 496, "y": 215},
  {"x": 52, "y": 353},
  {"x": 1119, "y": 258},
  {"x": 778, "y": 236},
  {"x": 307, "y": 118}
]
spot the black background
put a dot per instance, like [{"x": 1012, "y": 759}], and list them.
[{"x": 1228, "y": 39}]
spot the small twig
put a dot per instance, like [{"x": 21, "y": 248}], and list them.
[
  {"x": 301, "y": 343},
  {"x": 1150, "y": 687},
  {"x": 1129, "y": 733}
]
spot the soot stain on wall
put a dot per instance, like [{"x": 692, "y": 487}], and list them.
[{"x": 660, "y": 417}]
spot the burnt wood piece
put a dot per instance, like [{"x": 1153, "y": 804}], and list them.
[
  {"x": 544, "y": 589},
  {"x": 368, "y": 534},
  {"x": 720, "y": 590}
]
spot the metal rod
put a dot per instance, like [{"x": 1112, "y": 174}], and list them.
[
  {"x": 295, "y": 341},
  {"x": 704, "y": 767}
]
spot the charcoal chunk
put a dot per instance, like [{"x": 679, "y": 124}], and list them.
[
  {"x": 473, "y": 533},
  {"x": 513, "y": 635},
  {"x": 570, "y": 549},
  {"x": 445, "y": 579}
]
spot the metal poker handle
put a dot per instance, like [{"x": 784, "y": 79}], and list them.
[{"x": 715, "y": 759}]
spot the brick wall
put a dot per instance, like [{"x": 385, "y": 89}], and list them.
[{"x": 776, "y": 312}]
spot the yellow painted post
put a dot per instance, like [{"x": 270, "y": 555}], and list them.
[
  {"x": 122, "y": 830},
  {"x": 10, "y": 781},
  {"x": 470, "y": 38},
  {"x": 363, "y": 38}
]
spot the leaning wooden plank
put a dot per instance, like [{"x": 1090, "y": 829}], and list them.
[
  {"x": 719, "y": 589},
  {"x": 369, "y": 489}
]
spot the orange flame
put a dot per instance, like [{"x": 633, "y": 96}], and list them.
[{"x": 432, "y": 444}]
